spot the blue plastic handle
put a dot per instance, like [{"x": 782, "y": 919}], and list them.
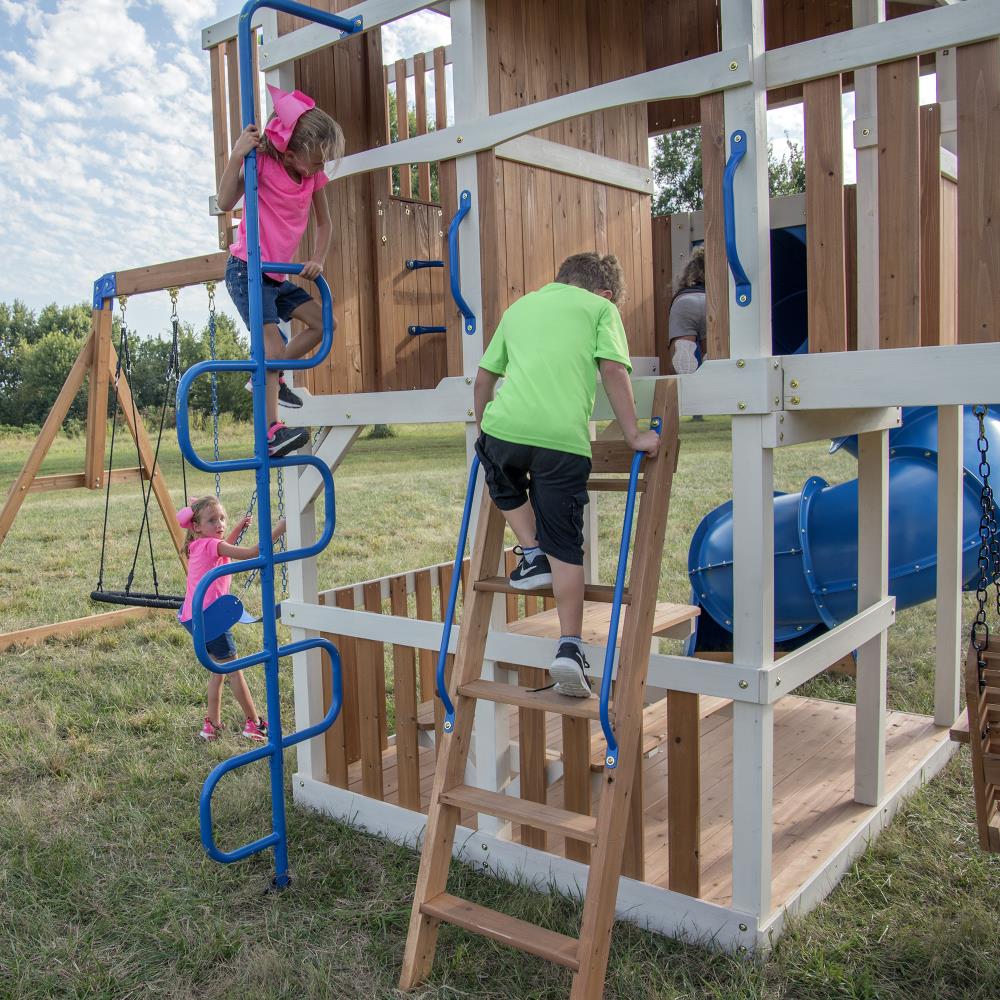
[
  {"x": 611, "y": 757},
  {"x": 737, "y": 150},
  {"x": 416, "y": 265},
  {"x": 419, "y": 331},
  {"x": 468, "y": 317},
  {"x": 449, "y": 616}
]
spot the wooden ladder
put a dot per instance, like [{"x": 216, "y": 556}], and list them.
[
  {"x": 587, "y": 956},
  {"x": 982, "y": 702}
]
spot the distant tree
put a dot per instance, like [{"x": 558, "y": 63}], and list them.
[
  {"x": 17, "y": 322},
  {"x": 677, "y": 176},
  {"x": 43, "y": 368}
]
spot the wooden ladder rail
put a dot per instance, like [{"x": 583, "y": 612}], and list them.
[{"x": 587, "y": 957}]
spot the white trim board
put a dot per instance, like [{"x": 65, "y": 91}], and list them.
[
  {"x": 651, "y": 907},
  {"x": 872, "y": 44},
  {"x": 577, "y": 163},
  {"x": 703, "y": 75}
]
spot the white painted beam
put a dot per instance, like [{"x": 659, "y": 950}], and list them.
[
  {"x": 564, "y": 159},
  {"x": 693, "y": 78},
  {"x": 908, "y": 376},
  {"x": 790, "y": 427},
  {"x": 871, "y": 44},
  {"x": 314, "y": 37},
  {"x": 224, "y": 30}
]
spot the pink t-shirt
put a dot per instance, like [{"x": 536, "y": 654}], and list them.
[
  {"x": 203, "y": 555},
  {"x": 283, "y": 205}
]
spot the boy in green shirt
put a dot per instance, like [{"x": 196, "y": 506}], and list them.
[{"x": 534, "y": 441}]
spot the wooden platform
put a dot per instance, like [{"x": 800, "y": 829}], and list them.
[{"x": 814, "y": 811}]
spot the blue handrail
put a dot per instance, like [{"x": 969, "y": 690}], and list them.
[
  {"x": 449, "y": 615},
  {"x": 468, "y": 316},
  {"x": 417, "y": 265},
  {"x": 419, "y": 331},
  {"x": 738, "y": 149},
  {"x": 611, "y": 757},
  {"x": 262, "y": 464}
]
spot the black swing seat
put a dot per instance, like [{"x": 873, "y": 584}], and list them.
[{"x": 135, "y": 599}]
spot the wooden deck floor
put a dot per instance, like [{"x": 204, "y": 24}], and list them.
[{"x": 814, "y": 811}]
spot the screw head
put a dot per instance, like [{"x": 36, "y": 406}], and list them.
[
  {"x": 777, "y": 682},
  {"x": 468, "y": 381},
  {"x": 743, "y": 297},
  {"x": 460, "y": 138},
  {"x": 470, "y": 413},
  {"x": 866, "y": 131},
  {"x": 741, "y": 363},
  {"x": 611, "y": 760},
  {"x": 744, "y": 685},
  {"x": 795, "y": 400},
  {"x": 743, "y": 927},
  {"x": 777, "y": 401},
  {"x": 734, "y": 65},
  {"x": 741, "y": 405},
  {"x": 794, "y": 383},
  {"x": 347, "y": 415},
  {"x": 736, "y": 138}
]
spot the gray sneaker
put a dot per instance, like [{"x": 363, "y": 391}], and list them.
[{"x": 569, "y": 671}]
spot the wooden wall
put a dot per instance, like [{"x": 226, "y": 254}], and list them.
[{"x": 533, "y": 218}]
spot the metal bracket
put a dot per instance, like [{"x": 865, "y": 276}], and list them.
[
  {"x": 865, "y": 133},
  {"x": 104, "y": 288}
]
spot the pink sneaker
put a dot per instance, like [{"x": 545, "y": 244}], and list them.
[
  {"x": 210, "y": 731},
  {"x": 256, "y": 731}
]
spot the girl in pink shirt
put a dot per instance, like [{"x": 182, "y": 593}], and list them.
[
  {"x": 207, "y": 545},
  {"x": 298, "y": 140}
]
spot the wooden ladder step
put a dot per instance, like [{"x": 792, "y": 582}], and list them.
[
  {"x": 614, "y": 485},
  {"x": 592, "y": 591},
  {"x": 576, "y": 826},
  {"x": 522, "y": 697},
  {"x": 530, "y": 938}
]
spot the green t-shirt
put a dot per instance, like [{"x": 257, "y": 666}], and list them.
[{"x": 547, "y": 348}]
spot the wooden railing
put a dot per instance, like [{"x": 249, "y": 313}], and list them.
[{"x": 375, "y": 746}]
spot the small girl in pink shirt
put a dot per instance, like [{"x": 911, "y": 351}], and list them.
[
  {"x": 298, "y": 140},
  {"x": 207, "y": 545}
]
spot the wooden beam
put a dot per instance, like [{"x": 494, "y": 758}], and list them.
[
  {"x": 77, "y": 480},
  {"x": 899, "y": 204},
  {"x": 930, "y": 225},
  {"x": 825, "y": 238},
  {"x": 97, "y": 402},
  {"x": 78, "y": 626},
  {"x": 175, "y": 274},
  {"x": 979, "y": 193},
  {"x": 713, "y": 160},
  {"x": 46, "y": 436},
  {"x": 220, "y": 142}
]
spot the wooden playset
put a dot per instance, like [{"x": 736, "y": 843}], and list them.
[{"x": 734, "y": 801}]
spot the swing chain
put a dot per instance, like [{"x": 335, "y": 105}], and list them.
[
  {"x": 214, "y": 381},
  {"x": 124, "y": 353},
  {"x": 989, "y": 550}
]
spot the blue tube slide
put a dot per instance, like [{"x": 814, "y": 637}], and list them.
[{"x": 815, "y": 531}]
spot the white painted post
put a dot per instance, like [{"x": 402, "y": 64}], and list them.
[
  {"x": 873, "y": 586},
  {"x": 307, "y": 668},
  {"x": 948, "y": 666},
  {"x": 866, "y": 157},
  {"x": 753, "y": 476}
]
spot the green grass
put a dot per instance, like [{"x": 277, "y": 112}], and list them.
[{"x": 105, "y": 890}]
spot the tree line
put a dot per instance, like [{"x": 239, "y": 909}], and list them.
[{"x": 37, "y": 351}]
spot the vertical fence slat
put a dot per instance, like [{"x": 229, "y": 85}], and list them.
[
  {"x": 371, "y": 703},
  {"x": 422, "y": 592},
  {"x": 349, "y": 663},
  {"x": 233, "y": 90},
  {"x": 404, "y": 687},
  {"x": 978, "y": 192},
  {"x": 334, "y": 737},
  {"x": 899, "y": 204},
  {"x": 420, "y": 98},
  {"x": 402, "y": 127},
  {"x": 851, "y": 263},
  {"x": 930, "y": 225},
  {"x": 825, "y": 266},
  {"x": 713, "y": 158}
]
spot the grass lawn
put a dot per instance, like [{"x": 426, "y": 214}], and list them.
[{"x": 105, "y": 890}]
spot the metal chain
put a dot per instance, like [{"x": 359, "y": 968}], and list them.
[
  {"x": 989, "y": 549},
  {"x": 214, "y": 382},
  {"x": 174, "y": 371}
]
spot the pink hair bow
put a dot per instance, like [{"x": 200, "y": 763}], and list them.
[
  {"x": 185, "y": 516},
  {"x": 288, "y": 108}
]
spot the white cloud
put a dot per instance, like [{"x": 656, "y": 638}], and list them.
[{"x": 419, "y": 32}]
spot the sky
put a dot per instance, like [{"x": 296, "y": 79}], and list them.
[{"x": 107, "y": 160}]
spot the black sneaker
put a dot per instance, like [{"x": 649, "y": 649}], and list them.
[
  {"x": 287, "y": 396},
  {"x": 281, "y": 439},
  {"x": 531, "y": 575},
  {"x": 569, "y": 669}
]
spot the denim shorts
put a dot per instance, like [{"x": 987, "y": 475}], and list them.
[
  {"x": 279, "y": 298},
  {"x": 222, "y": 647}
]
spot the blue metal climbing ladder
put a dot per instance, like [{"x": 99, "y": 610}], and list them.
[{"x": 261, "y": 464}]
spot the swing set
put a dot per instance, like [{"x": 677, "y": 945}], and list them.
[{"x": 105, "y": 368}]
